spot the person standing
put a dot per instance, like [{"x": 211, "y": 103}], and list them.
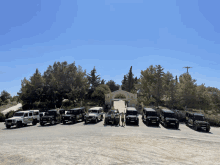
[{"x": 122, "y": 119}]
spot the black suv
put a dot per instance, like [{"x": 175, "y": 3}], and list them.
[
  {"x": 132, "y": 115},
  {"x": 51, "y": 116},
  {"x": 197, "y": 121},
  {"x": 74, "y": 115},
  {"x": 150, "y": 116},
  {"x": 167, "y": 118},
  {"x": 112, "y": 117}
]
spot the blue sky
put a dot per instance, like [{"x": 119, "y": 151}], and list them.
[{"x": 111, "y": 35}]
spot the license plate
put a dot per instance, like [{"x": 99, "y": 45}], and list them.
[
  {"x": 172, "y": 123},
  {"x": 44, "y": 121},
  {"x": 153, "y": 121}
]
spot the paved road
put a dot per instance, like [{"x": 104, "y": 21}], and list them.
[
  {"x": 98, "y": 144},
  {"x": 14, "y": 108}
]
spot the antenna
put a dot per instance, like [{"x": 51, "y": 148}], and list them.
[{"x": 187, "y": 68}]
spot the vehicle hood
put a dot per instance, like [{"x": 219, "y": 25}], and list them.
[
  {"x": 171, "y": 119},
  {"x": 152, "y": 117},
  {"x": 46, "y": 117},
  {"x": 15, "y": 118},
  {"x": 68, "y": 115},
  {"x": 132, "y": 116},
  {"x": 201, "y": 122},
  {"x": 92, "y": 114}
]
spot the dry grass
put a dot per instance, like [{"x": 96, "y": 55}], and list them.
[{"x": 3, "y": 107}]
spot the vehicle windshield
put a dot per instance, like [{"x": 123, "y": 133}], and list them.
[
  {"x": 152, "y": 113},
  {"x": 171, "y": 115},
  {"x": 35, "y": 113},
  {"x": 131, "y": 112},
  {"x": 18, "y": 114},
  {"x": 50, "y": 113},
  {"x": 62, "y": 111},
  {"x": 200, "y": 118},
  {"x": 71, "y": 112},
  {"x": 93, "y": 111}
]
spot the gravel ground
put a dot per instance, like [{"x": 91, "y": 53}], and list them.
[{"x": 99, "y": 144}]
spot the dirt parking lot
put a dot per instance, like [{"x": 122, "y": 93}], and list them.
[{"x": 99, "y": 144}]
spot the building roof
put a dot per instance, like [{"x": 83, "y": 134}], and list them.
[
  {"x": 149, "y": 109},
  {"x": 131, "y": 109}
]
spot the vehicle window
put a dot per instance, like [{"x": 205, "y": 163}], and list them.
[
  {"x": 152, "y": 113},
  {"x": 50, "y": 113},
  {"x": 171, "y": 115},
  {"x": 200, "y": 118},
  {"x": 25, "y": 115},
  {"x": 18, "y": 114},
  {"x": 30, "y": 114},
  {"x": 131, "y": 112},
  {"x": 93, "y": 111},
  {"x": 36, "y": 113}
]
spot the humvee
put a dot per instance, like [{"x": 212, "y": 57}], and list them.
[
  {"x": 197, "y": 121},
  {"x": 167, "y": 118},
  {"x": 149, "y": 116}
]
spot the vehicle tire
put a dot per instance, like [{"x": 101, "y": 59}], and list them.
[
  {"x": 96, "y": 120},
  {"x": 147, "y": 123},
  {"x": 52, "y": 122},
  {"x": 83, "y": 118},
  {"x": 195, "y": 127},
  {"x": 8, "y": 126},
  {"x": 64, "y": 122},
  {"x": 106, "y": 122},
  {"x": 177, "y": 126},
  {"x": 18, "y": 125},
  {"x": 86, "y": 122},
  {"x": 34, "y": 122},
  {"x": 42, "y": 124},
  {"x": 207, "y": 129},
  {"x": 101, "y": 117},
  {"x": 25, "y": 125},
  {"x": 165, "y": 124},
  {"x": 158, "y": 124}
]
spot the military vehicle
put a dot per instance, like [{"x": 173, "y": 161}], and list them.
[
  {"x": 131, "y": 116},
  {"x": 197, "y": 121},
  {"x": 51, "y": 116},
  {"x": 167, "y": 118},
  {"x": 149, "y": 116},
  {"x": 112, "y": 117},
  {"x": 36, "y": 116},
  {"x": 94, "y": 114},
  {"x": 73, "y": 115},
  {"x": 21, "y": 118}
]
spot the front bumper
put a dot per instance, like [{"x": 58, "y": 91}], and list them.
[
  {"x": 88, "y": 119},
  {"x": 131, "y": 120},
  {"x": 11, "y": 124}
]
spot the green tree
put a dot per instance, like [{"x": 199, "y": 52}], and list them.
[
  {"x": 112, "y": 85},
  {"x": 203, "y": 97},
  {"x": 5, "y": 95},
  {"x": 187, "y": 91},
  {"x": 2, "y": 117},
  {"x": 103, "y": 81},
  {"x": 99, "y": 93},
  {"x": 120, "y": 96}
]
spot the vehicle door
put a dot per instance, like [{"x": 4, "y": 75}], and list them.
[
  {"x": 162, "y": 116},
  {"x": 30, "y": 117},
  {"x": 25, "y": 119},
  {"x": 190, "y": 119},
  {"x": 80, "y": 114}
]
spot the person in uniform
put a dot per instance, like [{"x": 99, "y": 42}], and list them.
[{"x": 122, "y": 119}]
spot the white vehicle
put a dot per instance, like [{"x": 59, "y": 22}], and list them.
[
  {"x": 36, "y": 116},
  {"x": 21, "y": 118},
  {"x": 94, "y": 114}
]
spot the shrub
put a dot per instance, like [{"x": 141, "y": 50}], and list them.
[
  {"x": 9, "y": 114},
  {"x": 2, "y": 117}
]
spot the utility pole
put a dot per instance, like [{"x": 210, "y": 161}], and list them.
[{"x": 187, "y": 68}]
